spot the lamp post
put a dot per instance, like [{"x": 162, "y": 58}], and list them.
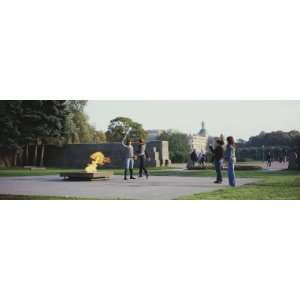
[{"x": 263, "y": 153}]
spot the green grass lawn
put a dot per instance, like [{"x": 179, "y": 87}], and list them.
[{"x": 272, "y": 186}]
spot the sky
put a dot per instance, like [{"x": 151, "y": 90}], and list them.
[{"x": 241, "y": 119}]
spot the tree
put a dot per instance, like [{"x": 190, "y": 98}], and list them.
[
  {"x": 76, "y": 105},
  {"x": 42, "y": 121},
  {"x": 83, "y": 128},
  {"x": 30, "y": 122},
  {"x": 77, "y": 127},
  {"x": 275, "y": 138},
  {"x": 71, "y": 134},
  {"x": 119, "y": 126},
  {"x": 99, "y": 136},
  {"x": 54, "y": 117},
  {"x": 240, "y": 141},
  {"x": 295, "y": 143},
  {"x": 76, "y": 122},
  {"x": 178, "y": 145},
  {"x": 10, "y": 124}
]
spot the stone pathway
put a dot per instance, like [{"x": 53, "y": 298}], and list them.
[
  {"x": 276, "y": 166},
  {"x": 157, "y": 187}
]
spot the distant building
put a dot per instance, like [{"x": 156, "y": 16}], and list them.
[
  {"x": 153, "y": 134},
  {"x": 202, "y": 131},
  {"x": 199, "y": 141}
]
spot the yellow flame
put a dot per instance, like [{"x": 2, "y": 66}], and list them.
[{"x": 97, "y": 158}]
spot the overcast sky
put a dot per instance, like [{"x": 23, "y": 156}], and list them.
[{"x": 241, "y": 119}]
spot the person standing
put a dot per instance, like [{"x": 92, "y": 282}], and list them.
[
  {"x": 129, "y": 158},
  {"x": 231, "y": 160},
  {"x": 203, "y": 160},
  {"x": 194, "y": 157},
  {"x": 199, "y": 158},
  {"x": 281, "y": 157},
  {"x": 218, "y": 155},
  {"x": 293, "y": 160},
  {"x": 142, "y": 155},
  {"x": 269, "y": 159},
  {"x": 285, "y": 155}
]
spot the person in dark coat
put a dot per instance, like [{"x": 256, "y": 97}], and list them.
[
  {"x": 269, "y": 159},
  {"x": 194, "y": 157},
  {"x": 218, "y": 155},
  {"x": 281, "y": 157},
  {"x": 142, "y": 156},
  {"x": 285, "y": 155}
]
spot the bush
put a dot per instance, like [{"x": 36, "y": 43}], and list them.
[
  {"x": 178, "y": 157},
  {"x": 178, "y": 145}
]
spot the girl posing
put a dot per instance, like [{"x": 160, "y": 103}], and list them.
[{"x": 231, "y": 160}]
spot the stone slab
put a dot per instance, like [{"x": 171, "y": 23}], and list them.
[
  {"x": 102, "y": 175},
  {"x": 34, "y": 168}
]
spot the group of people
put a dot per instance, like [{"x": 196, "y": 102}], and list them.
[
  {"x": 200, "y": 158},
  {"x": 228, "y": 154},
  {"x": 219, "y": 154},
  {"x": 282, "y": 157},
  {"x": 131, "y": 156}
]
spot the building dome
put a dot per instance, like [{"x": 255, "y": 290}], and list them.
[{"x": 202, "y": 131}]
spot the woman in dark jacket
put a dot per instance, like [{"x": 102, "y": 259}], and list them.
[
  {"x": 194, "y": 157},
  {"x": 218, "y": 155},
  {"x": 142, "y": 155}
]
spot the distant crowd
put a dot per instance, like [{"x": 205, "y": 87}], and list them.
[{"x": 282, "y": 157}]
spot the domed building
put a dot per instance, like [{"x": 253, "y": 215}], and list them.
[
  {"x": 199, "y": 141},
  {"x": 202, "y": 131}
]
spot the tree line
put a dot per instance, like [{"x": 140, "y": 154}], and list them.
[
  {"x": 289, "y": 139},
  {"x": 27, "y": 126},
  {"x": 26, "y": 123}
]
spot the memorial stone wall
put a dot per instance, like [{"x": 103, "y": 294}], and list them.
[{"x": 77, "y": 155}]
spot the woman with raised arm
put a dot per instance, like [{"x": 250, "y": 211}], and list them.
[
  {"x": 129, "y": 158},
  {"x": 231, "y": 160}
]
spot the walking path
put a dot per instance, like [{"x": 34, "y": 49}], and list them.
[
  {"x": 276, "y": 166},
  {"x": 157, "y": 187}
]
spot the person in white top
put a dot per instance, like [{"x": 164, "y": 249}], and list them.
[{"x": 129, "y": 158}]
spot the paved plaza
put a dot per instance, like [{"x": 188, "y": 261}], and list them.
[{"x": 156, "y": 187}]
